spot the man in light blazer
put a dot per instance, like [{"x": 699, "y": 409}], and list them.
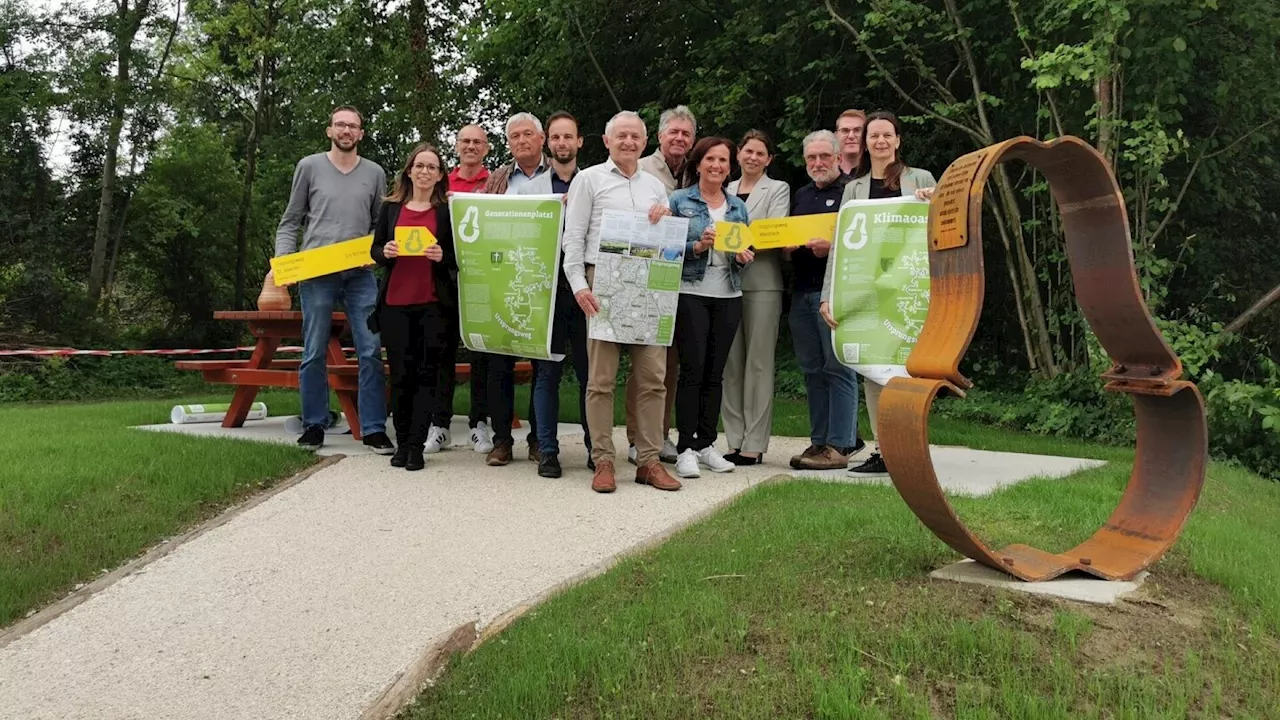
[{"x": 747, "y": 407}]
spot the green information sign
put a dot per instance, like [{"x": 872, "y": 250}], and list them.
[
  {"x": 880, "y": 286},
  {"x": 508, "y": 249}
]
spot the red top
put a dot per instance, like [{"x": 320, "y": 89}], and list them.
[
  {"x": 457, "y": 183},
  {"x": 412, "y": 280}
]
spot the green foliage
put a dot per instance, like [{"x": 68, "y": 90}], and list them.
[{"x": 88, "y": 377}]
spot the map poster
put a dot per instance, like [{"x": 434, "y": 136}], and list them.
[
  {"x": 880, "y": 286},
  {"x": 508, "y": 249},
  {"x": 637, "y": 278}
]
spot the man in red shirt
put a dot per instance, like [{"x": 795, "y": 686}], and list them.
[
  {"x": 470, "y": 176},
  {"x": 472, "y": 147}
]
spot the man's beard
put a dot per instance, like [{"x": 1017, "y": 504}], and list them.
[
  {"x": 345, "y": 145},
  {"x": 826, "y": 178},
  {"x": 568, "y": 157}
]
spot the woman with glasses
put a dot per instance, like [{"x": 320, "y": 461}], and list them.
[{"x": 417, "y": 297}]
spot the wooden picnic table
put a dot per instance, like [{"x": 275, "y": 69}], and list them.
[{"x": 263, "y": 369}]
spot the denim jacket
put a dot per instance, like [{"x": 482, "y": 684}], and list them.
[{"x": 688, "y": 203}]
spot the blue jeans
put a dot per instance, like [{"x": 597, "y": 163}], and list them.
[
  {"x": 568, "y": 335},
  {"x": 358, "y": 291},
  {"x": 832, "y": 387}
]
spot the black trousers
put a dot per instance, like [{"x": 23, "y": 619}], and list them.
[
  {"x": 479, "y": 410},
  {"x": 416, "y": 342},
  {"x": 568, "y": 336},
  {"x": 704, "y": 333}
]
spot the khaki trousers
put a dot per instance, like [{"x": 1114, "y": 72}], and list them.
[
  {"x": 747, "y": 407},
  {"x": 673, "y": 375},
  {"x": 648, "y": 371}
]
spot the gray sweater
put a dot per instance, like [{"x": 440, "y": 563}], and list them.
[{"x": 335, "y": 207}]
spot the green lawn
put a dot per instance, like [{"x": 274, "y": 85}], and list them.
[
  {"x": 811, "y": 600},
  {"x": 81, "y": 493},
  {"x": 800, "y": 600}
]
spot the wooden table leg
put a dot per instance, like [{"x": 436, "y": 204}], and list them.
[
  {"x": 346, "y": 398},
  {"x": 263, "y": 352}
]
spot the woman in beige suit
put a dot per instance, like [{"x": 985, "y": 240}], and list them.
[
  {"x": 747, "y": 407},
  {"x": 882, "y": 174}
]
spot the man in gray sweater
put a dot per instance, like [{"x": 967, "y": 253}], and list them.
[{"x": 338, "y": 195}]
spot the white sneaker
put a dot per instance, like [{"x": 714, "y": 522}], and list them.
[
  {"x": 481, "y": 438},
  {"x": 632, "y": 455},
  {"x": 687, "y": 464},
  {"x": 713, "y": 460},
  {"x": 437, "y": 439},
  {"x": 668, "y": 452}
]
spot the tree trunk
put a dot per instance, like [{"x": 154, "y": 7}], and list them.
[
  {"x": 1262, "y": 304},
  {"x": 127, "y": 24},
  {"x": 265, "y": 72},
  {"x": 1104, "y": 93},
  {"x": 423, "y": 79}
]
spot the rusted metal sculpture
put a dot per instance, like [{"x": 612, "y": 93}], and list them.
[{"x": 1172, "y": 447}]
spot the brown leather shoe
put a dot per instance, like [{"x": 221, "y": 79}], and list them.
[
  {"x": 603, "y": 481},
  {"x": 500, "y": 454},
  {"x": 657, "y": 476},
  {"x": 828, "y": 459},
  {"x": 809, "y": 452}
]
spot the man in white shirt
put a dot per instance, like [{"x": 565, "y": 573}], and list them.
[{"x": 617, "y": 184}]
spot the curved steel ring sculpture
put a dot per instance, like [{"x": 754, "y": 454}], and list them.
[{"x": 1172, "y": 445}]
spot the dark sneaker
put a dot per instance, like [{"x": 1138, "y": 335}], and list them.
[
  {"x": 312, "y": 438},
  {"x": 737, "y": 458},
  {"x": 415, "y": 460},
  {"x": 549, "y": 466},
  {"x": 535, "y": 455},
  {"x": 500, "y": 454},
  {"x": 873, "y": 467},
  {"x": 401, "y": 457},
  {"x": 379, "y": 443}
]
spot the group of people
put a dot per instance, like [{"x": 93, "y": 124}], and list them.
[{"x": 720, "y": 365}]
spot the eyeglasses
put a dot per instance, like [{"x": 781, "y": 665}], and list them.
[
  {"x": 346, "y": 126},
  {"x": 429, "y": 168},
  {"x": 824, "y": 157}
]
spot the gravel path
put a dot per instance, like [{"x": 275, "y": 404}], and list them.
[{"x": 309, "y": 604}]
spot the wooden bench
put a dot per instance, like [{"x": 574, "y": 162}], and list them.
[{"x": 263, "y": 369}]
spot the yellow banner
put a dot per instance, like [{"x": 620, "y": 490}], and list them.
[
  {"x": 414, "y": 239},
  {"x": 775, "y": 233},
  {"x": 289, "y": 269}
]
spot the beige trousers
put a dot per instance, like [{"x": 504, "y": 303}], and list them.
[
  {"x": 747, "y": 407},
  {"x": 648, "y": 371},
  {"x": 672, "y": 376}
]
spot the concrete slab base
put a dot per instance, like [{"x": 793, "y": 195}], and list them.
[
  {"x": 1072, "y": 586},
  {"x": 962, "y": 471}
]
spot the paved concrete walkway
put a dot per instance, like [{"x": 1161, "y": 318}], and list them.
[{"x": 310, "y": 604}]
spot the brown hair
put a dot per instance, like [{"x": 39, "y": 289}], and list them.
[
  {"x": 893, "y": 174},
  {"x": 346, "y": 108},
  {"x": 761, "y": 137},
  {"x": 562, "y": 115},
  {"x": 402, "y": 189},
  {"x": 699, "y": 151},
  {"x": 852, "y": 113}
]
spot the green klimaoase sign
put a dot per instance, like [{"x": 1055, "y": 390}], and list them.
[
  {"x": 880, "y": 284},
  {"x": 508, "y": 249}
]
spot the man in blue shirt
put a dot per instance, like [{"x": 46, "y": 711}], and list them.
[{"x": 570, "y": 323}]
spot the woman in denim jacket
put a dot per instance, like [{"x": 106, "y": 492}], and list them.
[{"x": 710, "y": 305}]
